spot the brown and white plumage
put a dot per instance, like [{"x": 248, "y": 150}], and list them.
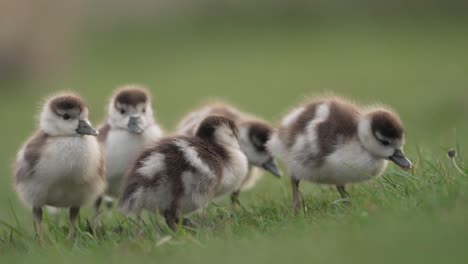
[
  {"x": 61, "y": 165},
  {"x": 333, "y": 141},
  {"x": 128, "y": 129},
  {"x": 253, "y": 136},
  {"x": 178, "y": 175}
]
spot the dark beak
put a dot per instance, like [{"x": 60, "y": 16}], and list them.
[
  {"x": 401, "y": 160},
  {"x": 272, "y": 168},
  {"x": 135, "y": 125},
  {"x": 84, "y": 128}
]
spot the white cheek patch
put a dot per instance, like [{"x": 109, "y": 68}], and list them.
[
  {"x": 370, "y": 140},
  {"x": 399, "y": 143},
  {"x": 116, "y": 119},
  {"x": 381, "y": 137},
  {"x": 70, "y": 126},
  {"x": 191, "y": 155},
  {"x": 57, "y": 126},
  {"x": 47, "y": 121},
  {"x": 140, "y": 107},
  {"x": 387, "y": 151},
  {"x": 152, "y": 165},
  {"x": 148, "y": 116}
]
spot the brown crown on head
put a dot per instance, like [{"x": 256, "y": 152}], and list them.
[
  {"x": 209, "y": 125},
  {"x": 67, "y": 103},
  {"x": 131, "y": 96},
  {"x": 387, "y": 124},
  {"x": 259, "y": 134}
]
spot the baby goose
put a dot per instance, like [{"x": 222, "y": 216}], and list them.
[
  {"x": 60, "y": 165},
  {"x": 253, "y": 136},
  {"x": 181, "y": 174},
  {"x": 332, "y": 141},
  {"x": 129, "y": 128}
]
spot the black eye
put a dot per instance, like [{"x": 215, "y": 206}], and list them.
[
  {"x": 66, "y": 116},
  {"x": 385, "y": 142},
  {"x": 122, "y": 111},
  {"x": 144, "y": 110}
]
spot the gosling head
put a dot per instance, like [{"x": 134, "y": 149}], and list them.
[
  {"x": 381, "y": 133},
  {"x": 130, "y": 109},
  {"x": 219, "y": 130},
  {"x": 66, "y": 115},
  {"x": 253, "y": 139}
]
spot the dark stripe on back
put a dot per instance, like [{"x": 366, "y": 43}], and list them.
[
  {"x": 341, "y": 124},
  {"x": 212, "y": 154},
  {"x": 175, "y": 165},
  {"x": 299, "y": 126},
  {"x": 32, "y": 153}
]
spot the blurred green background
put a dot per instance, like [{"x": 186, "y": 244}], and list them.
[{"x": 263, "y": 56}]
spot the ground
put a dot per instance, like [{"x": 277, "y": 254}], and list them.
[{"x": 416, "y": 67}]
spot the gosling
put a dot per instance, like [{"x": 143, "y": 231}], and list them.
[
  {"x": 180, "y": 174},
  {"x": 61, "y": 165},
  {"x": 253, "y": 136},
  {"x": 333, "y": 141},
  {"x": 128, "y": 129}
]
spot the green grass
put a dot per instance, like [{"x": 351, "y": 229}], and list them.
[{"x": 417, "y": 68}]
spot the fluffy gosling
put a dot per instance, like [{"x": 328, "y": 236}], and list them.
[
  {"x": 61, "y": 165},
  {"x": 181, "y": 174},
  {"x": 333, "y": 141},
  {"x": 253, "y": 136},
  {"x": 128, "y": 129}
]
